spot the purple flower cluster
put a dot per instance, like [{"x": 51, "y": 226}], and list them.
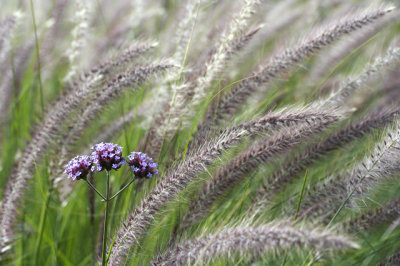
[
  {"x": 107, "y": 156},
  {"x": 142, "y": 165},
  {"x": 79, "y": 167}
]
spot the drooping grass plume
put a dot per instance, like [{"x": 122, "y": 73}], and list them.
[
  {"x": 372, "y": 218},
  {"x": 110, "y": 91},
  {"x": 11, "y": 79},
  {"x": 190, "y": 94},
  {"x": 391, "y": 58},
  {"x": 291, "y": 170},
  {"x": 254, "y": 240},
  {"x": 282, "y": 62},
  {"x": 106, "y": 68},
  {"x": 179, "y": 109},
  {"x": 52, "y": 34},
  {"x": 7, "y": 27},
  {"x": 381, "y": 164},
  {"x": 249, "y": 160},
  {"x": 332, "y": 58},
  {"x": 79, "y": 38}
]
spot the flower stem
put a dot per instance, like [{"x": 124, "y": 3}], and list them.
[
  {"x": 98, "y": 193},
  {"x": 104, "y": 257},
  {"x": 122, "y": 189}
]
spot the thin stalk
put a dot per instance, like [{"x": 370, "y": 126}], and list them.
[
  {"x": 91, "y": 185},
  {"x": 41, "y": 225},
  {"x": 38, "y": 58},
  {"x": 301, "y": 195},
  {"x": 122, "y": 189},
  {"x": 104, "y": 257}
]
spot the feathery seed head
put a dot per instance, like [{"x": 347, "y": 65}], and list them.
[
  {"x": 107, "y": 156},
  {"x": 79, "y": 167},
  {"x": 142, "y": 165}
]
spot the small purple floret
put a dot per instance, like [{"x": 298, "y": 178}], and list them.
[
  {"x": 79, "y": 167},
  {"x": 142, "y": 165},
  {"x": 107, "y": 156}
]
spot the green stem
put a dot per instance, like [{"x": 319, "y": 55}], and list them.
[
  {"x": 38, "y": 58},
  {"x": 98, "y": 193},
  {"x": 41, "y": 225},
  {"x": 104, "y": 257},
  {"x": 122, "y": 189},
  {"x": 301, "y": 195}
]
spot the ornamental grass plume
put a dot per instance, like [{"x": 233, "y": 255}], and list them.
[
  {"x": 336, "y": 192},
  {"x": 366, "y": 221},
  {"x": 293, "y": 168},
  {"x": 289, "y": 57},
  {"x": 254, "y": 240},
  {"x": 247, "y": 162}
]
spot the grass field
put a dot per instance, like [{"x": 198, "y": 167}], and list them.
[{"x": 274, "y": 127}]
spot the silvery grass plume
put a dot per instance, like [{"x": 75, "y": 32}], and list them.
[
  {"x": 82, "y": 19},
  {"x": 188, "y": 95},
  {"x": 372, "y": 218},
  {"x": 177, "y": 179},
  {"x": 225, "y": 49},
  {"x": 184, "y": 29},
  {"x": 142, "y": 10},
  {"x": 7, "y": 27},
  {"x": 48, "y": 132},
  {"x": 277, "y": 21},
  {"x": 172, "y": 84},
  {"x": 332, "y": 58},
  {"x": 180, "y": 106},
  {"x": 255, "y": 240},
  {"x": 246, "y": 162},
  {"x": 379, "y": 66},
  {"x": 106, "y": 68},
  {"x": 380, "y": 165},
  {"x": 288, "y": 58},
  {"x": 11, "y": 78},
  {"x": 294, "y": 168},
  {"x": 54, "y": 23},
  {"x": 109, "y": 92}
]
